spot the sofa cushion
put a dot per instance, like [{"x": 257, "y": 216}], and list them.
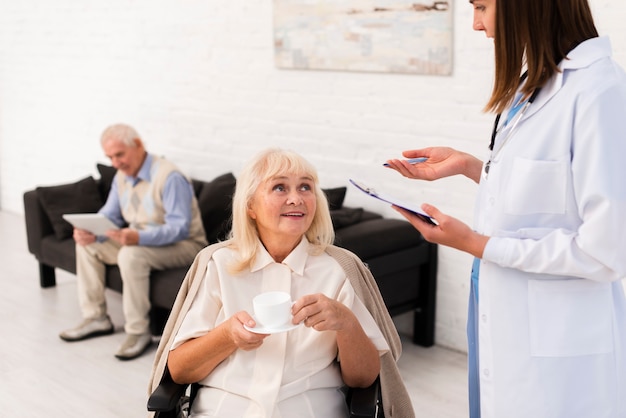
[
  {"x": 107, "y": 173},
  {"x": 345, "y": 217},
  {"x": 335, "y": 197},
  {"x": 385, "y": 236},
  {"x": 80, "y": 197},
  {"x": 215, "y": 201}
]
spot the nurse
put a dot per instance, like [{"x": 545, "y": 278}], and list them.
[{"x": 547, "y": 312}]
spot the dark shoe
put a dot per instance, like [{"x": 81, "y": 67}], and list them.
[
  {"x": 89, "y": 328},
  {"x": 134, "y": 346}
]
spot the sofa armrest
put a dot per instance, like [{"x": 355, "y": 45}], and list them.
[{"x": 37, "y": 223}]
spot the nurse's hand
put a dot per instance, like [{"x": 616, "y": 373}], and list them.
[
  {"x": 449, "y": 231},
  {"x": 441, "y": 162}
]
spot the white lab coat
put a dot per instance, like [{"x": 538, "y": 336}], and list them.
[{"x": 552, "y": 312}]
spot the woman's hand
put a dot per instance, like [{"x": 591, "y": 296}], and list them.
[
  {"x": 441, "y": 162},
  {"x": 321, "y": 313},
  {"x": 360, "y": 361},
  {"x": 241, "y": 337},
  {"x": 195, "y": 359},
  {"x": 449, "y": 231}
]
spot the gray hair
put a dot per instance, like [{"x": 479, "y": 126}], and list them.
[{"x": 120, "y": 132}]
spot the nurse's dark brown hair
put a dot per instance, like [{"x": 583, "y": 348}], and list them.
[{"x": 538, "y": 34}]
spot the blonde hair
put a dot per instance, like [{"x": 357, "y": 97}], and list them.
[{"x": 268, "y": 164}]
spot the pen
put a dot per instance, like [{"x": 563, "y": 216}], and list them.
[{"x": 412, "y": 161}]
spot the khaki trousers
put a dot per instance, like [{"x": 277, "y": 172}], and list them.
[{"x": 135, "y": 263}]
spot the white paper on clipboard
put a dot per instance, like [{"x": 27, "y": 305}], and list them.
[{"x": 392, "y": 200}]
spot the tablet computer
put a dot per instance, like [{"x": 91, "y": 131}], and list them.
[
  {"x": 393, "y": 200},
  {"x": 95, "y": 223}
]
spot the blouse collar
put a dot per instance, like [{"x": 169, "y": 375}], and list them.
[{"x": 296, "y": 260}]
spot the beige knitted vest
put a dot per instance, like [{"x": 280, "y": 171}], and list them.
[{"x": 142, "y": 204}]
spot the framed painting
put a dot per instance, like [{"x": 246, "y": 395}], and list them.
[{"x": 395, "y": 36}]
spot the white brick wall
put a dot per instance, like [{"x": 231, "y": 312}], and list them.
[{"x": 197, "y": 79}]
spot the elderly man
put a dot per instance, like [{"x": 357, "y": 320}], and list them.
[{"x": 160, "y": 227}]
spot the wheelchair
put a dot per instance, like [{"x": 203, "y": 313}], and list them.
[{"x": 173, "y": 400}]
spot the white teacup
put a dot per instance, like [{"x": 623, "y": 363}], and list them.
[{"x": 272, "y": 309}]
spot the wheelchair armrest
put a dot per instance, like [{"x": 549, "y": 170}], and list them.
[
  {"x": 365, "y": 402},
  {"x": 166, "y": 396}
]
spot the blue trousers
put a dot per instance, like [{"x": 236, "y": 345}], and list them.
[{"x": 472, "y": 344}]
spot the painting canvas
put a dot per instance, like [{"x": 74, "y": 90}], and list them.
[{"x": 364, "y": 35}]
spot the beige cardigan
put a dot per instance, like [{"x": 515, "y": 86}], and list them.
[{"x": 396, "y": 400}]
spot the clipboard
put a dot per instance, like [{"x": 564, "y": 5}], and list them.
[
  {"x": 95, "y": 223},
  {"x": 393, "y": 200}
]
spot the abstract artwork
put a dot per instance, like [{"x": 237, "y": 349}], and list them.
[{"x": 394, "y": 36}]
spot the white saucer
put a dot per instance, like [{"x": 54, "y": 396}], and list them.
[{"x": 261, "y": 330}]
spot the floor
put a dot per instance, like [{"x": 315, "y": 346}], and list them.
[{"x": 41, "y": 375}]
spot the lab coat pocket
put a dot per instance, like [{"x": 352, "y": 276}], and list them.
[
  {"x": 536, "y": 186},
  {"x": 570, "y": 318}
]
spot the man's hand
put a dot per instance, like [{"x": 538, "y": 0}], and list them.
[
  {"x": 126, "y": 236},
  {"x": 83, "y": 237}
]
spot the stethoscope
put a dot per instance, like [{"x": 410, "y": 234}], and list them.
[{"x": 495, "y": 130}]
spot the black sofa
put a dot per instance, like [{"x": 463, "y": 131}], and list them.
[{"x": 403, "y": 263}]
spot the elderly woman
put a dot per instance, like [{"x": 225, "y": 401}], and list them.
[{"x": 281, "y": 240}]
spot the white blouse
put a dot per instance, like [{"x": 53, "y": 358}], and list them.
[{"x": 294, "y": 373}]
